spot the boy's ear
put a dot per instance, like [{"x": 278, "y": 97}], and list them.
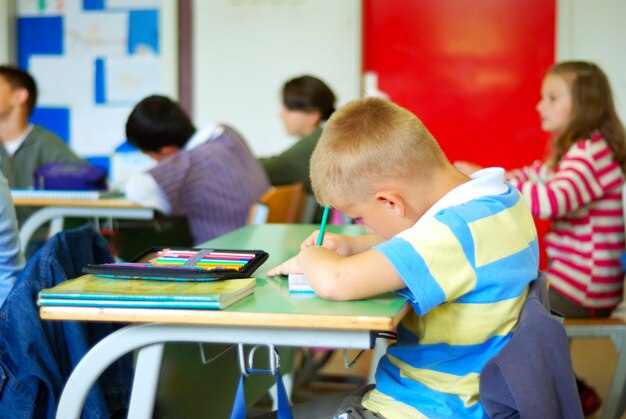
[
  {"x": 163, "y": 152},
  {"x": 392, "y": 200},
  {"x": 168, "y": 150},
  {"x": 314, "y": 117},
  {"x": 20, "y": 96}
]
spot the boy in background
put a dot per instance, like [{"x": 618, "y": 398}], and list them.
[
  {"x": 25, "y": 146},
  {"x": 208, "y": 176},
  {"x": 462, "y": 249},
  {"x": 307, "y": 103}
]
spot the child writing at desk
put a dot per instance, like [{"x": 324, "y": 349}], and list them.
[
  {"x": 462, "y": 249},
  {"x": 579, "y": 188}
]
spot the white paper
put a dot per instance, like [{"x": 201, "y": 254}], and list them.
[
  {"x": 98, "y": 130},
  {"x": 63, "y": 81},
  {"x": 299, "y": 283},
  {"x": 133, "y": 4},
  {"x": 131, "y": 79},
  {"x": 96, "y": 34},
  {"x": 125, "y": 165}
]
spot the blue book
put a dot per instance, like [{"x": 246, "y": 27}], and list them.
[{"x": 95, "y": 291}]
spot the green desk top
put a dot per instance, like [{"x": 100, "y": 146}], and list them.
[
  {"x": 271, "y": 305},
  {"x": 282, "y": 241}
]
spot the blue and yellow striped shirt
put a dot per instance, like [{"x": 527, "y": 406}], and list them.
[{"x": 467, "y": 267}]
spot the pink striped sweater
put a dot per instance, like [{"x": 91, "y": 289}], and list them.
[{"x": 583, "y": 198}]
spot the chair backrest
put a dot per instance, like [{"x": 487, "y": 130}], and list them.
[
  {"x": 280, "y": 204},
  {"x": 308, "y": 206},
  {"x": 532, "y": 375}
]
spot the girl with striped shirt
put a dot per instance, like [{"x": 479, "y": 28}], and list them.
[{"x": 579, "y": 188}]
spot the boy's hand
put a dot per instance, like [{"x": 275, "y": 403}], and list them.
[
  {"x": 336, "y": 242},
  {"x": 290, "y": 266}
]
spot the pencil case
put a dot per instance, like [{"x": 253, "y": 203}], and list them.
[{"x": 184, "y": 264}]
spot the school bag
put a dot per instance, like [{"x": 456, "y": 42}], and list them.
[{"x": 70, "y": 176}]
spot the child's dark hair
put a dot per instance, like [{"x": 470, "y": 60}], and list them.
[
  {"x": 308, "y": 93},
  {"x": 18, "y": 78},
  {"x": 156, "y": 122},
  {"x": 592, "y": 109}
]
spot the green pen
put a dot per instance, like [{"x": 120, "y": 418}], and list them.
[{"x": 320, "y": 238}]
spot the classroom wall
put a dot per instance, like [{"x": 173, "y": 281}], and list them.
[
  {"x": 594, "y": 30},
  {"x": 6, "y": 29},
  {"x": 245, "y": 50}
]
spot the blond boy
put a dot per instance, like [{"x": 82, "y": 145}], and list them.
[{"x": 462, "y": 249}]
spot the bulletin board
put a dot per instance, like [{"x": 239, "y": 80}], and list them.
[{"x": 93, "y": 60}]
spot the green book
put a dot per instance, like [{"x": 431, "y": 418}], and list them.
[{"x": 95, "y": 291}]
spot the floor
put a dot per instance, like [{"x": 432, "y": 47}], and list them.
[{"x": 594, "y": 360}]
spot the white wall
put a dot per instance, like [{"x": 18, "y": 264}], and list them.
[
  {"x": 244, "y": 50},
  {"x": 168, "y": 40},
  {"x": 595, "y": 31},
  {"x": 7, "y": 28}
]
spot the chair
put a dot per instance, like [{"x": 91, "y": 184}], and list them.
[
  {"x": 37, "y": 357},
  {"x": 280, "y": 204},
  {"x": 532, "y": 375},
  {"x": 615, "y": 330},
  {"x": 308, "y": 206}
]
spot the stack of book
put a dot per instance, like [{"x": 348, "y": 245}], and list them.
[
  {"x": 63, "y": 194},
  {"x": 95, "y": 291},
  {"x": 203, "y": 279}
]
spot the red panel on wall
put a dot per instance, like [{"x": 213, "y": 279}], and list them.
[{"x": 471, "y": 70}]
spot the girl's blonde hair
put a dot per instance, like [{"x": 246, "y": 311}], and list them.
[
  {"x": 369, "y": 143},
  {"x": 592, "y": 109}
]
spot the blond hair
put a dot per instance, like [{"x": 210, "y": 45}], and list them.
[{"x": 367, "y": 144}]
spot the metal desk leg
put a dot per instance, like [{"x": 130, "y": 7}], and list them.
[
  {"x": 100, "y": 357},
  {"x": 614, "y": 405},
  {"x": 57, "y": 213},
  {"x": 138, "y": 336},
  {"x": 56, "y": 226},
  {"x": 380, "y": 348},
  {"x": 273, "y": 391},
  {"x": 613, "y": 408},
  {"x": 146, "y": 381}
]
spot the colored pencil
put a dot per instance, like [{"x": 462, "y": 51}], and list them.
[{"x": 320, "y": 237}]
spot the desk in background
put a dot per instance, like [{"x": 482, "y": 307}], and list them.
[
  {"x": 55, "y": 210},
  {"x": 271, "y": 316}
]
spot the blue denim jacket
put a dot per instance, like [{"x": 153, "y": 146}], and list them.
[{"x": 37, "y": 356}]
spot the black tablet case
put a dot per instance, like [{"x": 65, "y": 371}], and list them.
[{"x": 125, "y": 270}]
